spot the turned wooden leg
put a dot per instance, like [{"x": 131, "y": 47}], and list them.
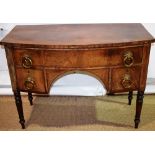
[
  {"x": 130, "y": 97},
  {"x": 139, "y": 103},
  {"x": 19, "y": 108},
  {"x": 30, "y": 98}
]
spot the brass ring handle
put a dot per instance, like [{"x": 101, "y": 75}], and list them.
[
  {"x": 26, "y": 62},
  {"x": 128, "y": 59},
  {"x": 29, "y": 83},
  {"x": 126, "y": 82}
]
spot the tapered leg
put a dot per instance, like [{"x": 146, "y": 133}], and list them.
[
  {"x": 19, "y": 108},
  {"x": 30, "y": 98},
  {"x": 130, "y": 97},
  {"x": 139, "y": 103}
]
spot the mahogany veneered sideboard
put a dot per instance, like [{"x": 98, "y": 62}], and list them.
[{"x": 116, "y": 54}]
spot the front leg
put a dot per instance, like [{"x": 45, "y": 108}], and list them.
[
  {"x": 19, "y": 108},
  {"x": 139, "y": 103}
]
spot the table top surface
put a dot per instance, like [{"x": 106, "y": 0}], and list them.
[{"x": 70, "y": 35}]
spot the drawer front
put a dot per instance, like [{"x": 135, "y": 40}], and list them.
[
  {"x": 77, "y": 58},
  {"x": 126, "y": 56},
  {"x": 30, "y": 80},
  {"x": 28, "y": 58},
  {"x": 125, "y": 79},
  {"x": 94, "y": 58}
]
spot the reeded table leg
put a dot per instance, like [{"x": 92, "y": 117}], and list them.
[
  {"x": 19, "y": 108},
  {"x": 130, "y": 97},
  {"x": 30, "y": 97},
  {"x": 139, "y": 103}
]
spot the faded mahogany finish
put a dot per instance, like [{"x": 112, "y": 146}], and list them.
[
  {"x": 78, "y": 35},
  {"x": 116, "y": 54}
]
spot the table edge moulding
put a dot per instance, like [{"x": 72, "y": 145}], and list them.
[{"x": 116, "y": 54}]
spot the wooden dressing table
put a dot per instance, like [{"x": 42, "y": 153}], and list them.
[{"x": 116, "y": 54}]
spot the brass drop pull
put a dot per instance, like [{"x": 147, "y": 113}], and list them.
[
  {"x": 128, "y": 59},
  {"x": 126, "y": 82},
  {"x": 29, "y": 83},
  {"x": 26, "y": 62}
]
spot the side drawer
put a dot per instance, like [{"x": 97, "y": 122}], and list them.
[
  {"x": 125, "y": 79},
  {"x": 28, "y": 58},
  {"x": 127, "y": 56},
  {"x": 30, "y": 80}
]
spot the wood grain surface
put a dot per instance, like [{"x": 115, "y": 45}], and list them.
[
  {"x": 78, "y": 35},
  {"x": 115, "y": 54}
]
